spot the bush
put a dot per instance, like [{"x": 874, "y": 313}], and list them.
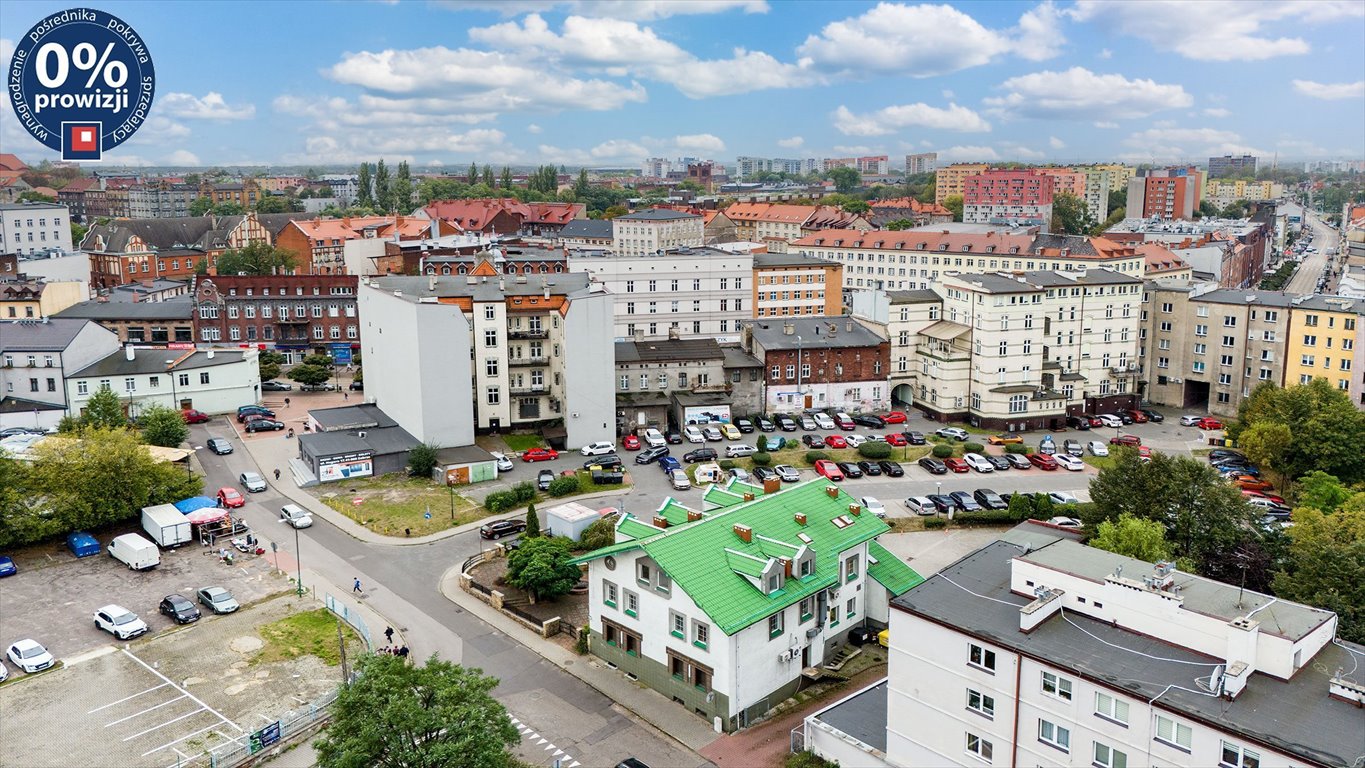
[
  {"x": 602, "y": 533},
  {"x": 973, "y": 448},
  {"x": 943, "y": 451},
  {"x": 727, "y": 464},
  {"x": 814, "y": 456},
  {"x": 984, "y": 517},
  {"x": 422, "y": 460},
  {"x": 500, "y": 501},
  {"x": 524, "y": 492},
  {"x": 1018, "y": 448},
  {"x": 563, "y": 486},
  {"x": 933, "y": 523},
  {"x": 762, "y": 459},
  {"x": 877, "y": 450}
]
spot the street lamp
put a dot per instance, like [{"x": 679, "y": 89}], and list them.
[
  {"x": 799, "y": 393},
  {"x": 298, "y": 556},
  {"x": 170, "y": 369}
]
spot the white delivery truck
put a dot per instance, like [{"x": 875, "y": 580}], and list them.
[
  {"x": 167, "y": 525},
  {"x": 135, "y": 552}
]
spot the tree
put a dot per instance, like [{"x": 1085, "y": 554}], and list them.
[
  {"x": 32, "y": 196},
  {"x": 104, "y": 410},
  {"x": 532, "y": 523},
  {"x": 322, "y": 361},
  {"x": 1070, "y": 216},
  {"x": 364, "y": 187},
  {"x": 1118, "y": 198},
  {"x": 472, "y": 175},
  {"x": 1207, "y": 210},
  {"x": 228, "y": 209},
  {"x": 614, "y": 211},
  {"x": 1327, "y": 564},
  {"x": 1021, "y": 506},
  {"x": 1265, "y": 443},
  {"x": 954, "y": 204},
  {"x": 580, "y": 188},
  {"x": 78, "y": 232},
  {"x": 505, "y": 178},
  {"x": 1322, "y": 492},
  {"x": 383, "y": 195},
  {"x": 545, "y": 179},
  {"x": 1237, "y": 209},
  {"x": 200, "y": 206},
  {"x": 856, "y": 206},
  {"x": 269, "y": 363},
  {"x": 899, "y": 224},
  {"x": 438, "y": 715},
  {"x": 845, "y": 179},
  {"x": 309, "y": 375},
  {"x": 1325, "y": 425},
  {"x": 1133, "y": 537},
  {"x": 422, "y": 460},
  {"x": 602, "y": 533},
  {"x": 163, "y": 426},
  {"x": 488, "y": 176},
  {"x": 258, "y": 258},
  {"x": 541, "y": 567},
  {"x": 272, "y": 204}
]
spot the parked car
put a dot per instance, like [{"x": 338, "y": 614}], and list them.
[
  {"x": 823, "y": 420},
  {"x": 1124, "y": 417},
  {"x": 610, "y": 461},
  {"x": 1094, "y": 421},
  {"x": 891, "y": 468},
  {"x": 1078, "y": 422},
  {"x": 1097, "y": 448},
  {"x": 119, "y": 622},
  {"x": 543, "y": 479},
  {"x": 247, "y": 410},
  {"x": 914, "y": 437},
  {"x": 813, "y": 441},
  {"x": 651, "y": 455},
  {"x": 849, "y": 469},
  {"x": 7, "y": 566},
  {"x": 870, "y": 468},
  {"x": 872, "y": 505},
  {"x": 1042, "y": 461},
  {"x": 978, "y": 462},
  {"x": 217, "y": 600},
  {"x": 935, "y": 466},
  {"x": 787, "y": 473},
  {"x": 504, "y": 464},
  {"x": 654, "y": 438},
  {"x": 842, "y": 421},
  {"x": 989, "y": 499},
  {"x": 1208, "y": 422},
  {"x": 496, "y": 529},
  {"x": 630, "y": 443},
  {"x": 765, "y": 425},
  {"x": 739, "y": 475},
  {"x": 1137, "y": 415},
  {"x": 1109, "y": 420},
  {"x": 229, "y": 498},
  {"x": 252, "y": 481},
  {"x": 921, "y": 505},
  {"x": 219, "y": 446},
  {"x": 896, "y": 439},
  {"x": 700, "y": 454},
  {"x": 828, "y": 470},
  {"x": 599, "y": 448},
  {"x": 895, "y": 417},
  {"x": 735, "y": 450},
  {"x": 1007, "y": 439},
  {"x": 786, "y": 423},
  {"x": 943, "y": 503},
  {"x": 808, "y": 423},
  {"x": 541, "y": 454},
  {"x": 678, "y": 479},
  {"x": 964, "y": 501},
  {"x": 956, "y": 465},
  {"x": 835, "y": 441},
  {"x": 692, "y": 433},
  {"x": 953, "y": 433},
  {"x": 1017, "y": 461},
  {"x": 296, "y": 516},
  {"x": 327, "y": 387},
  {"x": 1263, "y": 495},
  {"x": 1189, "y": 420},
  {"x": 1131, "y": 441},
  {"x": 868, "y": 420},
  {"x": 1072, "y": 447},
  {"x": 179, "y": 609},
  {"x": 673, "y": 437},
  {"x": 744, "y": 425},
  {"x": 264, "y": 425},
  {"x": 1062, "y": 497},
  {"x": 763, "y": 473},
  {"x": 276, "y": 386},
  {"x": 1251, "y": 483},
  {"x": 667, "y": 464},
  {"x": 1218, "y": 454},
  {"x": 191, "y": 416},
  {"x": 999, "y": 463},
  {"x": 1065, "y": 522},
  {"x": 1068, "y": 462},
  {"x": 731, "y": 432},
  {"x": 357, "y": 386},
  {"x": 776, "y": 442},
  {"x": 853, "y": 441},
  {"x": 30, "y": 656},
  {"x": 1047, "y": 446}
]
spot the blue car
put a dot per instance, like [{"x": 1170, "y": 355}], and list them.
[
  {"x": 7, "y": 567},
  {"x": 668, "y": 464}
]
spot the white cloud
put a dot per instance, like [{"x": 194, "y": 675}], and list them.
[
  {"x": 1056, "y": 143},
  {"x": 1331, "y": 91},
  {"x": 1189, "y": 142},
  {"x": 211, "y": 107},
  {"x": 891, "y": 119},
  {"x": 1015, "y": 151},
  {"x": 699, "y": 142},
  {"x": 533, "y": 128},
  {"x": 857, "y": 149},
  {"x": 967, "y": 154},
  {"x": 792, "y": 142},
  {"x": 335, "y": 113},
  {"x": 1215, "y": 30},
  {"x": 1217, "y": 112},
  {"x": 1106, "y": 124},
  {"x": 1081, "y": 94},
  {"x": 743, "y": 72},
  {"x": 1039, "y": 34},
  {"x": 635, "y": 10},
  {"x": 612, "y": 152},
  {"x": 913, "y": 40},
  {"x": 182, "y": 157},
  {"x": 948, "y": 94},
  {"x": 1105, "y": 53}
]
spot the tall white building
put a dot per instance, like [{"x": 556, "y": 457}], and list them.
[
  {"x": 31, "y": 228},
  {"x": 923, "y": 162},
  {"x": 655, "y": 229},
  {"x": 655, "y": 167},
  {"x": 1036, "y": 650}
]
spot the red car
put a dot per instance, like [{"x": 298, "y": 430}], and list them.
[
  {"x": 1138, "y": 417},
  {"x": 631, "y": 443},
  {"x": 1042, "y": 461},
  {"x": 539, "y": 454},
  {"x": 894, "y": 417},
  {"x": 1209, "y": 423},
  {"x": 896, "y": 439},
  {"x": 835, "y": 441},
  {"x": 1094, "y": 421},
  {"x": 829, "y": 470},
  {"x": 192, "y": 416},
  {"x": 1130, "y": 440},
  {"x": 1251, "y": 483},
  {"x": 956, "y": 465},
  {"x": 1250, "y": 494},
  {"x": 230, "y": 498},
  {"x": 1144, "y": 452}
]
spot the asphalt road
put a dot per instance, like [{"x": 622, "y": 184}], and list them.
[{"x": 1305, "y": 279}]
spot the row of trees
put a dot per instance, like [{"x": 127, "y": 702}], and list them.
[{"x": 374, "y": 188}]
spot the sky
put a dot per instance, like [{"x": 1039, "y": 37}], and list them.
[{"x": 606, "y": 83}]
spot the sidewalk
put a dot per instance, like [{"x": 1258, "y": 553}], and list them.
[{"x": 645, "y": 704}]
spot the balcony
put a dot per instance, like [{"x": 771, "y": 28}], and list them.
[
  {"x": 516, "y": 362},
  {"x": 530, "y": 390},
  {"x": 527, "y": 333},
  {"x": 292, "y": 320}
]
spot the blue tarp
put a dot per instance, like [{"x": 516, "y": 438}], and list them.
[
  {"x": 195, "y": 502},
  {"x": 82, "y": 544}
]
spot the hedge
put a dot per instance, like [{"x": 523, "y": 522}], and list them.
[
  {"x": 984, "y": 517},
  {"x": 973, "y": 448},
  {"x": 814, "y": 456},
  {"x": 498, "y": 501},
  {"x": 525, "y": 492},
  {"x": 930, "y": 523},
  {"x": 762, "y": 459},
  {"x": 875, "y": 450},
  {"x": 943, "y": 451},
  {"x": 1018, "y": 448},
  {"x": 563, "y": 486},
  {"x": 727, "y": 464}
]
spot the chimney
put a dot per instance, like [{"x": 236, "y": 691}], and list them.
[
  {"x": 856, "y": 509},
  {"x": 833, "y": 329},
  {"x": 431, "y": 283},
  {"x": 129, "y": 353},
  {"x": 210, "y": 353},
  {"x": 800, "y": 518},
  {"x": 674, "y": 334},
  {"x": 748, "y": 496},
  {"x": 660, "y": 521},
  {"x": 744, "y": 532},
  {"x": 832, "y": 491},
  {"x": 502, "y": 284},
  {"x": 771, "y": 485},
  {"x": 788, "y": 329},
  {"x": 787, "y": 567},
  {"x": 848, "y": 326},
  {"x": 693, "y": 515}
]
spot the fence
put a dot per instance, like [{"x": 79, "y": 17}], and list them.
[
  {"x": 351, "y": 617},
  {"x": 249, "y": 745}
]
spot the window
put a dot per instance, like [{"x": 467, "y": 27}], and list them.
[
  {"x": 1056, "y": 686},
  {"x": 1054, "y": 735},
  {"x": 1173, "y": 733},
  {"x": 1201, "y": 330},
  {"x": 1310, "y": 341},
  {"x": 677, "y": 624},
  {"x": 981, "y": 703},
  {"x": 978, "y": 656},
  {"x": 490, "y": 337},
  {"x": 489, "y": 312},
  {"x": 1229, "y": 321},
  {"x": 979, "y": 747},
  {"x": 701, "y": 634},
  {"x": 1239, "y": 757},
  {"x": 494, "y": 395},
  {"x": 1106, "y": 756},
  {"x": 1110, "y": 708},
  {"x": 632, "y": 603},
  {"x": 851, "y": 568},
  {"x": 774, "y": 625},
  {"x": 609, "y": 593},
  {"x": 204, "y": 377}
]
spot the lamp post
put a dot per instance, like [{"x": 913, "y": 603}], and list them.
[
  {"x": 170, "y": 368},
  {"x": 450, "y": 487},
  {"x": 298, "y": 556},
  {"x": 799, "y": 393}
]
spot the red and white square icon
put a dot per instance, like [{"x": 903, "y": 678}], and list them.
[
  {"x": 81, "y": 141},
  {"x": 84, "y": 138}
]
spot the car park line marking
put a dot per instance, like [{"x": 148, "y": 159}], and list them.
[
  {"x": 125, "y": 698},
  {"x": 168, "y": 722},
  {"x": 177, "y": 741},
  {"x": 145, "y": 711},
  {"x": 187, "y": 693}
]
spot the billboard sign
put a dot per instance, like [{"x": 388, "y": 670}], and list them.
[
  {"x": 345, "y": 466},
  {"x": 706, "y": 414}
]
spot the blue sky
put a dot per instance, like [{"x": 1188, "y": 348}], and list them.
[{"x": 609, "y": 82}]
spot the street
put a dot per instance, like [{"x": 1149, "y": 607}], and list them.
[{"x": 1305, "y": 279}]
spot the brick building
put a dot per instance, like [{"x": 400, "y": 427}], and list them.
[
  {"x": 246, "y": 193},
  {"x": 320, "y": 243},
  {"x": 73, "y": 196},
  {"x": 293, "y": 314},
  {"x": 1014, "y": 197},
  {"x": 1165, "y": 193},
  {"x": 820, "y": 362},
  {"x": 787, "y": 284}
]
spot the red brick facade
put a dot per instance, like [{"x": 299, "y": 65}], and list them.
[
  {"x": 285, "y": 312},
  {"x": 831, "y": 366}
]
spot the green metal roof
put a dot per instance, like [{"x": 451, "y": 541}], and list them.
[
  {"x": 890, "y": 571},
  {"x": 634, "y": 529},
  {"x": 695, "y": 554}
]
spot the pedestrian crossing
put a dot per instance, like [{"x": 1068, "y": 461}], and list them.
[{"x": 528, "y": 736}]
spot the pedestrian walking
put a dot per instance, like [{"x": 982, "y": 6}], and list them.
[
  {"x": 356, "y": 587},
  {"x": 286, "y": 402},
  {"x": 345, "y": 396},
  {"x": 388, "y": 634},
  {"x": 277, "y": 473},
  {"x": 403, "y": 651}
]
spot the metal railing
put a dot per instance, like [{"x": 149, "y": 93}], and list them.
[
  {"x": 344, "y": 612},
  {"x": 246, "y": 746}
]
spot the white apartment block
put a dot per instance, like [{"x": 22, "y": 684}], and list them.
[
  {"x": 35, "y": 358},
  {"x": 923, "y": 162},
  {"x": 698, "y": 292},
  {"x": 211, "y": 380},
  {"x": 1036, "y": 650},
  {"x": 899, "y": 316},
  {"x": 1098, "y": 183},
  {"x": 917, "y": 258},
  {"x": 656, "y": 229},
  {"x": 655, "y": 167},
  {"x": 30, "y": 228},
  {"x": 448, "y": 355}
]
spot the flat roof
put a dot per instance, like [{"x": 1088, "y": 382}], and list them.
[
  {"x": 180, "y": 308},
  {"x": 862, "y": 716},
  {"x": 815, "y": 331},
  {"x": 667, "y": 350}
]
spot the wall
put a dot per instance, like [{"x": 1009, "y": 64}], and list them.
[
  {"x": 230, "y": 385},
  {"x": 589, "y": 410},
  {"x": 74, "y": 267},
  {"x": 359, "y": 255}
]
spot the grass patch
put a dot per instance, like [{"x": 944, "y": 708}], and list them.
[
  {"x": 311, "y": 633},
  {"x": 523, "y": 442},
  {"x": 1099, "y": 462},
  {"x": 393, "y": 502}
]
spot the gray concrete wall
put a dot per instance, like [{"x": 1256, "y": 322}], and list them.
[{"x": 589, "y": 371}]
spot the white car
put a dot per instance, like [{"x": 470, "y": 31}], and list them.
[
  {"x": 1110, "y": 420},
  {"x": 4, "y": 672},
  {"x": 1062, "y": 497},
  {"x": 693, "y": 434},
  {"x": 713, "y": 434},
  {"x": 1189, "y": 421},
  {"x": 296, "y": 516},
  {"x": 654, "y": 438},
  {"x": 30, "y": 656},
  {"x": 1068, "y": 462},
  {"x": 1097, "y": 448},
  {"x": 252, "y": 481},
  {"x": 787, "y": 473},
  {"x": 735, "y": 450},
  {"x": 1065, "y": 522},
  {"x": 504, "y": 464},
  {"x": 119, "y": 622},
  {"x": 921, "y": 505},
  {"x": 978, "y": 462},
  {"x": 954, "y": 433},
  {"x": 823, "y": 421},
  {"x": 872, "y": 505},
  {"x": 853, "y": 441},
  {"x": 600, "y": 448}
]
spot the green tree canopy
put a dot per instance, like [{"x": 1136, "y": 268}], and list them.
[
  {"x": 272, "y": 204},
  {"x": 422, "y": 460},
  {"x": 541, "y": 567},
  {"x": 228, "y": 209},
  {"x": 1322, "y": 492},
  {"x": 1325, "y": 425},
  {"x": 899, "y": 224},
  {"x": 104, "y": 409},
  {"x": 436, "y": 715},
  {"x": 364, "y": 186},
  {"x": 258, "y": 258},
  {"x": 544, "y": 179},
  {"x": 581, "y": 187},
  {"x": 383, "y": 194},
  {"x": 269, "y": 362},
  {"x": 402, "y": 188},
  {"x": 309, "y": 375},
  {"x": 1327, "y": 564},
  {"x": 200, "y": 206},
  {"x": 532, "y": 522},
  {"x": 856, "y": 206},
  {"x": 488, "y": 176},
  {"x": 1133, "y": 537},
  {"x": 845, "y": 180},
  {"x": 1070, "y": 216},
  {"x": 954, "y": 204},
  {"x": 163, "y": 426}
]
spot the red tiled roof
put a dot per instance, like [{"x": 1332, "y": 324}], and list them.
[
  {"x": 10, "y": 162},
  {"x": 407, "y": 227},
  {"x": 477, "y": 213},
  {"x": 80, "y": 185},
  {"x": 1158, "y": 258},
  {"x": 913, "y": 205}
]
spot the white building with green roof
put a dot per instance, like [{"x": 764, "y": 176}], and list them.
[{"x": 723, "y": 609}]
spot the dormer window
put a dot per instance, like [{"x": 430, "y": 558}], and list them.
[{"x": 774, "y": 583}]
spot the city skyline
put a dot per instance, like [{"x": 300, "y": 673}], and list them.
[{"x": 608, "y": 84}]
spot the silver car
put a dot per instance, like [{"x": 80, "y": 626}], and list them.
[
  {"x": 787, "y": 473},
  {"x": 218, "y": 600},
  {"x": 119, "y": 622},
  {"x": 296, "y": 516},
  {"x": 252, "y": 481}
]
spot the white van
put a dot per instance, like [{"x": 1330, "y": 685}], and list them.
[{"x": 135, "y": 552}]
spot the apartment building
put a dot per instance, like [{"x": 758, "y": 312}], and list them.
[
  {"x": 821, "y": 362},
  {"x": 33, "y": 300},
  {"x": 788, "y": 284},
  {"x": 721, "y": 608},
  {"x": 1018, "y": 198},
  {"x": 1039, "y": 650},
  {"x": 586, "y": 233},
  {"x": 345, "y": 186},
  {"x": 295, "y": 315},
  {"x": 949, "y": 179},
  {"x": 320, "y": 243},
  {"x": 901, "y": 209},
  {"x": 656, "y": 229},
  {"x": 1230, "y": 165},
  {"x": 158, "y": 323},
  {"x": 1166, "y": 193},
  {"x": 161, "y": 200},
  {"x": 779, "y": 223},
  {"x": 28, "y": 228},
  {"x": 35, "y": 358},
  {"x": 445, "y": 356},
  {"x": 504, "y": 216},
  {"x": 921, "y": 162},
  {"x": 1232, "y": 252},
  {"x": 697, "y": 292},
  {"x": 899, "y": 316},
  {"x": 73, "y": 196},
  {"x": 212, "y": 381},
  {"x": 246, "y": 193},
  {"x": 916, "y": 258},
  {"x": 1225, "y": 192},
  {"x": 1205, "y": 349},
  {"x": 134, "y": 250},
  {"x": 1326, "y": 339},
  {"x": 1119, "y": 174}
]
